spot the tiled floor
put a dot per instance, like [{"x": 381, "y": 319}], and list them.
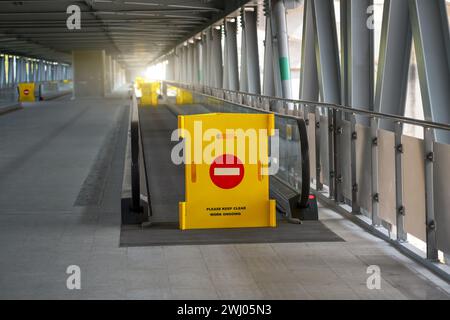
[{"x": 48, "y": 150}]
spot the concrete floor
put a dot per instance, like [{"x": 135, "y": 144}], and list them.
[{"x": 61, "y": 165}]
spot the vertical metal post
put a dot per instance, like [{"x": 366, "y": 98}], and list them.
[
  {"x": 401, "y": 211},
  {"x": 432, "y": 251},
  {"x": 217, "y": 71},
  {"x": 175, "y": 64},
  {"x": 233, "y": 71},
  {"x": 189, "y": 63},
  {"x": 18, "y": 70},
  {"x": 331, "y": 152},
  {"x": 2, "y": 72},
  {"x": 210, "y": 58},
  {"x": 204, "y": 59},
  {"x": 47, "y": 71},
  {"x": 338, "y": 137},
  {"x": 196, "y": 75},
  {"x": 393, "y": 61},
  {"x": 327, "y": 55},
  {"x": 429, "y": 22},
  {"x": 280, "y": 28},
  {"x": 225, "y": 82},
  {"x": 243, "y": 81},
  {"x": 319, "y": 185},
  {"x": 268, "y": 80},
  {"x": 251, "y": 37},
  {"x": 185, "y": 65},
  {"x": 10, "y": 71},
  {"x": 309, "y": 83},
  {"x": 353, "y": 137},
  {"x": 374, "y": 170},
  {"x": 32, "y": 70}
]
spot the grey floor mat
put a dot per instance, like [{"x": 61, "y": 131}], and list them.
[{"x": 169, "y": 234}]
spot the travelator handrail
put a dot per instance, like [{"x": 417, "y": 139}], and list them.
[
  {"x": 334, "y": 129},
  {"x": 315, "y": 104},
  {"x": 304, "y": 147},
  {"x": 137, "y": 155}
]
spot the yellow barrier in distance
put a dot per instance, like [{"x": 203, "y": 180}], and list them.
[
  {"x": 184, "y": 97},
  {"x": 26, "y": 92},
  {"x": 231, "y": 188},
  {"x": 138, "y": 81},
  {"x": 150, "y": 93}
]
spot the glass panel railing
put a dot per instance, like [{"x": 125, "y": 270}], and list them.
[{"x": 289, "y": 156}]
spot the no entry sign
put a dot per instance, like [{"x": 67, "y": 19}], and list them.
[
  {"x": 226, "y": 171},
  {"x": 26, "y": 92},
  {"x": 227, "y": 191}
]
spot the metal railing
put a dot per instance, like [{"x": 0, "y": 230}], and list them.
[{"x": 335, "y": 115}]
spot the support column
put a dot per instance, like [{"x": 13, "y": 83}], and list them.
[
  {"x": 225, "y": 82},
  {"x": 10, "y": 71},
  {"x": 205, "y": 60},
  {"x": 309, "y": 82},
  {"x": 18, "y": 70},
  {"x": 251, "y": 37},
  {"x": 280, "y": 30},
  {"x": 393, "y": 61},
  {"x": 2, "y": 72},
  {"x": 217, "y": 67},
  {"x": 432, "y": 45},
  {"x": 196, "y": 64},
  {"x": 176, "y": 65},
  {"x": 108, "y": 84},
  {"x": 185, "y": 64},
  {"x": 231, "y": 47},
  {"x": 243, "y": 82},
  {"x": 268, "y": 76},
  {"x": 211, "y": 79},
  {"x": 327, "y": 55},
  {"x": 88, "y": 77},
  {"x": 31, "y": 71},
  {"x": 190, "y": 63}
]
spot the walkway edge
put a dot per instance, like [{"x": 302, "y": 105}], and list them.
[
  {"x": 439, "y": 269},
  {"x": 10, "y": 108}
]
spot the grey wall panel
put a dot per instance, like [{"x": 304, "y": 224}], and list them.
[
  {"x": 441, "y": 195},
  {"x": 345, "y": 157},
  {"x": 324, "y": 158},
  {"x": 363, "y": 168},
  {"x": 386, "y": 176},
  {"x": 414, "y": 186},
  {"x": 312, "y": 144}
]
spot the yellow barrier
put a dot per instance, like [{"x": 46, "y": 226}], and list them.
[
  {"x": 150, "y": 93},
  {"x": 26, "y": 92},
  {"x": 184, "y": 97},
  {"x": 227, "y": 188},
  {"x": 138, "y": 81}
]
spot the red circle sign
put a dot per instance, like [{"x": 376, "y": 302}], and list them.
[
  {"x": 26, "y": 92},
  {"x": 226, "y": 171}
]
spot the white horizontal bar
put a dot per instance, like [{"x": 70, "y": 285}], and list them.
[{"x": 227, "y": 171}]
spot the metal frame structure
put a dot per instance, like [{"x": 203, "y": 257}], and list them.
[{"x": 24, "y": 69}]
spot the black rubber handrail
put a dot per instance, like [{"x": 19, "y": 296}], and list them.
[{"x": 306, "y": 175}]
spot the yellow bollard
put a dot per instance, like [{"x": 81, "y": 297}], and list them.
[{"x": 226, "y": 171}]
